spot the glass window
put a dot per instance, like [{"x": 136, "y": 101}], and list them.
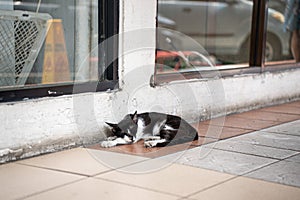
[
  {"x": 49, "y": 42},
  {"x": 281, "y": 34},
  {"x": 218, "y": 30}
]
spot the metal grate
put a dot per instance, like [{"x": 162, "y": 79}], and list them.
[{"x": 21, "y": 37}]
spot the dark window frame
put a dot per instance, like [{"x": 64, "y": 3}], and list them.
[
  {"x": 108, "y": 26},
  {"x": 256, "y": 58}
]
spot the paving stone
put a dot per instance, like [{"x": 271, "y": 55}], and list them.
[
  {"x": 239, "y": 145},
  {"x": 223, "y": 161},
  {"x": 274, "y": 140},
  {"x": 295, "y": 158},
  {"x": 291, "y": 128},
  {"x": 282, "y": 172}
]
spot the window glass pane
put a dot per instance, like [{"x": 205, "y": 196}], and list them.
[
  {"x": 280, "y": 29},
  {"x": 220, "y": 27},
  {"x": 48, "y": 42}
]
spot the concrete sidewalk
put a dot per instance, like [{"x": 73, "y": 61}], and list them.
[{"x": 245, "y": 162}]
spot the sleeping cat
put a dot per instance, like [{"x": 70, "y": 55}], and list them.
[{"x": 156, "y": 129}]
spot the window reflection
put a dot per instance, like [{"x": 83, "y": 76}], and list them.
[
  {"x": 48, "y": 42},
  {"x": 221, "y": 27},
  {"x": 278, "y": 41}
]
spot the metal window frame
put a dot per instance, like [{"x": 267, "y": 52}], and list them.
[
  {"x": 258, "y": 33},
  {"x": 108, "y": 26}
]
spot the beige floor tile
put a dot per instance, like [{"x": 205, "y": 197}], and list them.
[
  {"x": 175, "y": 179},
  {"x": 82, "y": 161},
  {"x": 99, "y": 189},
  {"x": 18, "y": 180},
  {"x": 249, "y": 189}
]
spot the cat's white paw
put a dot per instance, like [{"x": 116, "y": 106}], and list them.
[
  {"x": 153, "y": 143},
  {"x": 108, "y": 144},
  {"x": 150, "y": 143},
  {"x": 111, "y": 138},
  {"x": 151, "y": 138}
]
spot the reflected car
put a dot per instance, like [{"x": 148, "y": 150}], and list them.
[
  {"x": 278, "y": 5},
  {"x": 223, "y": 27}
]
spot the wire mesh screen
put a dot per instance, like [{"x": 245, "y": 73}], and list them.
[{"x": 21, "y": 37}]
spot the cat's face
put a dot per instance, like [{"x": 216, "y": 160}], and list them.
[{"x": 127, "y": 126}]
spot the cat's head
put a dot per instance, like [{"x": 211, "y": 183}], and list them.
[{"x": 127, "y": 126}]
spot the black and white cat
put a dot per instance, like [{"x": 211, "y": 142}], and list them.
[{"x": 156, "y": 129}]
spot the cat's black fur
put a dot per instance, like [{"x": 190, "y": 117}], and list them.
[{"x": 157, "y": 129}]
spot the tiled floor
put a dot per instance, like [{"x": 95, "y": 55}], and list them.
[{"x": 256, "y": 155}]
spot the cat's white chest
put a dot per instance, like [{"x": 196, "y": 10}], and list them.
[
  {"x": 140, "y": 130},
  {"x": 157, "y": 127}
]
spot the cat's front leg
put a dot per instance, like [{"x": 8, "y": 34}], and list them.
[
  {"x": 115, "y": 142},
  {"x": 108, "y": 144},
  {"x": 154, "y": 143},
  {"x": 151, "y": 138},
  {"x": 111, "y": 138}
]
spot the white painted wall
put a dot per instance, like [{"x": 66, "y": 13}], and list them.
[{"x": 48, "y": 124}]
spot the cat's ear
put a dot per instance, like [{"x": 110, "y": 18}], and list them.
[
  {"x": 112, "y": 125},
  {"x": 134, "y": 117}
]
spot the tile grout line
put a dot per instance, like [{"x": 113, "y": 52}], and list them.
[
  {"x": 251, "y": 154},
  {"x": 57, "y": 170},
  {"x": 262, "y": 130},
  {"x": 280, "y": 133},
  {"x": 251, "y": 129},
  {"x": 280, "y": 112},
  {"x": 85, "y": 177},
  {"x": 236, "y": 127},
  {"x": 233, "y": 178},
  {"x": 50, "y": 189},
  {"x": 263, "y": 145},
  {"x": 259, "y": 168},
  {"x": 277, "y": 147},
  {"x": 136, "y": 186},
  {"x": 121, "y": 167},
  {"x": 212, "y": 186},
  {"x": 266, "y": 120},
  {"x": 81, "y": 174},
  {"x": 285, "y": 159},
  {"x": 248, "y": 173}
]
